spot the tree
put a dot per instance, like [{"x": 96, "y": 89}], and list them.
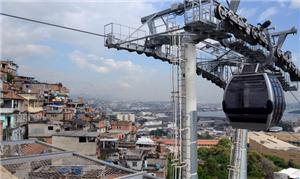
[
  {"x": 254, "y": 166},
  {"x": 292, "y": 164},
  {"x": 206, "y": 135},
  {"x": 216, "y": 160},
  {"x": 224, "y": 142},
  {"x": 279, "y": 162},
  {"x": 268, "y": 167},
  {"x": 9, "y": 77},
  {"x": 158, "y": 132}
]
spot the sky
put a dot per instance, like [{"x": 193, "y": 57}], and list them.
[{"x": 82, "y": 63}]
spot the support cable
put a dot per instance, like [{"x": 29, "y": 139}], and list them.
[
  {"x": 54, "y": 25},
  {"x": 84, "y": 31},
  {"x": 298, "y": 101},
  {"x": 141, "y": 26}
]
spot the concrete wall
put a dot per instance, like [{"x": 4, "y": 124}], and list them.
[
  {"x": 139, "y": 164},
  {"x": 41, "y": 129},
  {"x": 55, "y": 117},
  {"x": 73, "y": 144},
  {"x": 36, "y": 116}
]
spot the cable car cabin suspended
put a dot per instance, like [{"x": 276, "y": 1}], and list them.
[{"x": 254, "y": 101}]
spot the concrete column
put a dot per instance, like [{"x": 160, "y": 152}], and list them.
[
  {"x": 238, "y": 163},
  {"x": 189, "y": 122},
  {"x": 244, "y": 155}
]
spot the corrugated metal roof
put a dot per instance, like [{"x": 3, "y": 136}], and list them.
[{"x": 145, "y": 141}]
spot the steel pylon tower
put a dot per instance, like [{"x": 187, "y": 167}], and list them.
[
  {"x": 232, "y": 40},
  {"x": 189, "y": 111},
  {"x": 208, "y": 27},
  {"x": 238, "y": 159}
]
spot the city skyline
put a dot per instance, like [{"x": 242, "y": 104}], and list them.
[{"x": 89, "y": 69}]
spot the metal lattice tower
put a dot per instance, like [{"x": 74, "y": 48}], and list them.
[
  {"x": 210, "y": 40},
  {"x": 215, "y": 43}
]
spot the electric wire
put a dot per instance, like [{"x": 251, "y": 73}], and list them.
[
  {"x": 51, "y": 24},
  {"x": 151, "y": 18},
  {"x": 298, "y": 101},
  {"x": 84, "y": 31}
]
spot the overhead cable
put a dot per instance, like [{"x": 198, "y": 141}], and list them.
[
  {"x": 54, "y": 25},
  {"x": 295, "y": 97}
]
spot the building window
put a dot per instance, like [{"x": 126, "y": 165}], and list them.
[
  {"x": 82, "y": 139},
  {"x": 134, "y": 164},
  {"x": 50, "y": 128}
]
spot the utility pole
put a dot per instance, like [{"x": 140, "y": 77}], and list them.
[{"x": 189, "y": 111}]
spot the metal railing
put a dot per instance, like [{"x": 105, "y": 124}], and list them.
[
  {"x": 200, "y": 11},
  {"x": 117, "y": 33}
]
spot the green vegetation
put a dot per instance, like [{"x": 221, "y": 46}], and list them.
[
  {"x": 169, "y": 168},
  {"x": 158, "y": 133},
  {"x": 215, "y": 161},
  {"x": 9, "y": 77},
  {"x": 280, "y": 163},
  {"x": 206, "y": 135},
  {"x": 277, "y": 161}
]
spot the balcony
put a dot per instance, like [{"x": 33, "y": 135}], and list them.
[
  {"x": 35, "y": 109},
  {"x": 4, "y": 110}
]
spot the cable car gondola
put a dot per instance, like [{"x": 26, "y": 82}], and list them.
[{"x": 254, "y": 101}]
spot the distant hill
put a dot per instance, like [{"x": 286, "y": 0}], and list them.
[{"x": 295, "y": 112}]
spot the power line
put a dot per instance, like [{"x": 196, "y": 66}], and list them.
[
  {"x": 84, "y": 31},
  {"x": 295, "y": 97},
  {"x": 54, "y": 25}
]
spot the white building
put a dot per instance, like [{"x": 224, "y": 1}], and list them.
[
  {"x": 145, "y": 143},
  {"x": 287, "y": 174},
  {"x": 161, "y": 115},
  {"x": 135, "y": 159},
  {"x": 146, "y": 113},
  {"x": 126, "y": 117},
  {"x": 152, "y": 123}
]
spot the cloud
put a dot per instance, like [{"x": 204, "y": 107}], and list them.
[
  {"x": 295, "y": 4},
  {"x": 16, "y": 43},
  {"x": 268, "y": 13},
  {"x": 101, "y": 65},
  {"x": 25, "y": 50},
  {"x": 125, "y": 85},
  {"x": 90, "y": 16},
  {"x": 247, "y": 12}
]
